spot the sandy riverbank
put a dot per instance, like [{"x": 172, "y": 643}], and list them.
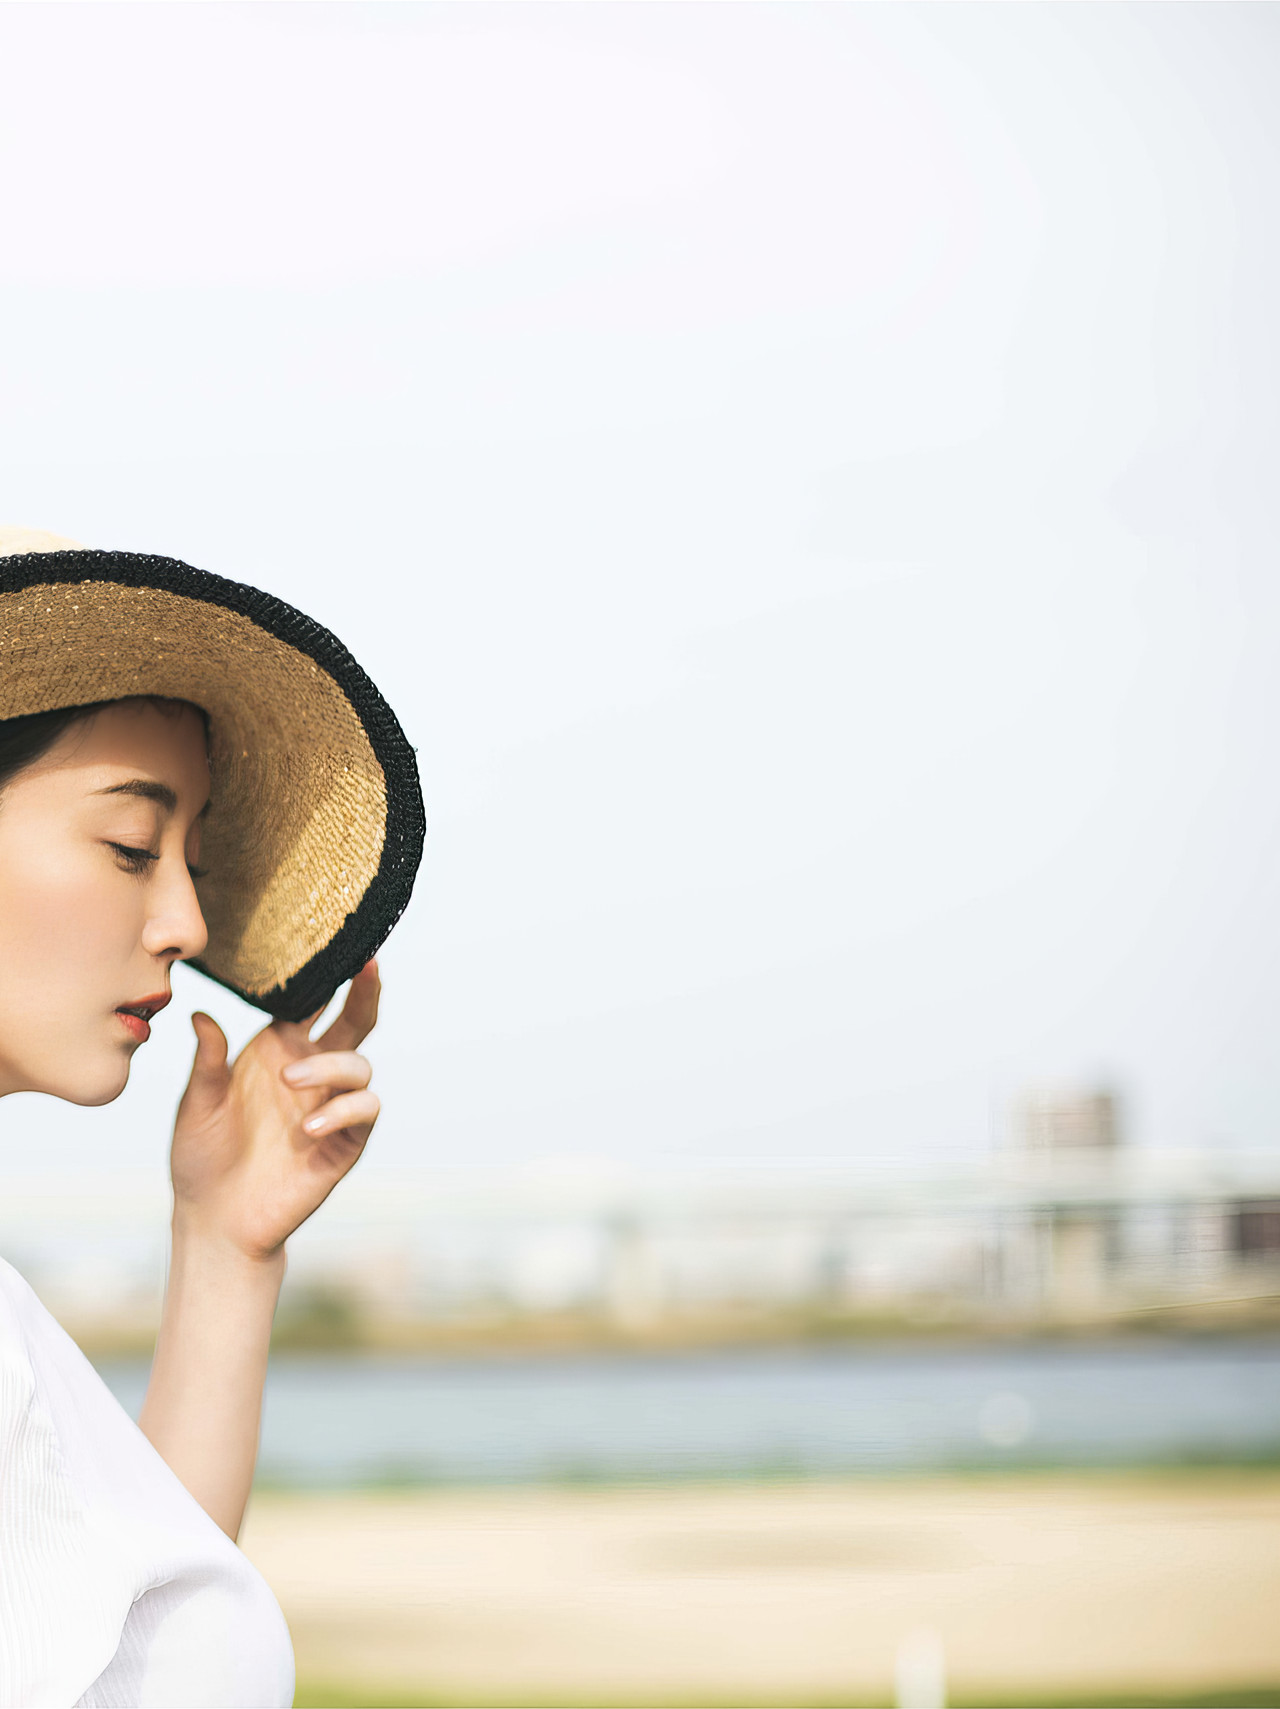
[{"x": 1043, "y": 1586}]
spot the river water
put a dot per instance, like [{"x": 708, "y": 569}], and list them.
[{"x": 341, "y": 1420}]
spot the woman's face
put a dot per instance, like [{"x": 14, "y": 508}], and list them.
[{"x": 97, "y": 841}]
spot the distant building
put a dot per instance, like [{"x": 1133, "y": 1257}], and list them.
[
  {"x": 1057, "y": 1124},
  {"x": 1063, "y": 1257},
  {"x": 1254, "y": 1232}
]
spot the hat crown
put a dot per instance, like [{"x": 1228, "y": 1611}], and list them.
[{"x": 14, "y": 541}]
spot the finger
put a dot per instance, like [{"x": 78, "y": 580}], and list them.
[
  {"x": 352, "y": 1110},
  {"x": 209, "y": 1069},
  {"x": 359, "y": 1013},
  {"x": 341, "y": 1069},
  {"x": 298, "y": 1033}
]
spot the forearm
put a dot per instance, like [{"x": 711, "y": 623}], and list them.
[{"x": 204, "y": 1401}]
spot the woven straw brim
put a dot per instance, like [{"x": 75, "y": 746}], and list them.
[{"x": 314, "y": 829}]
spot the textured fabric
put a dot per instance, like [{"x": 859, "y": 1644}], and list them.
[{"x": 116, "y": 1588}]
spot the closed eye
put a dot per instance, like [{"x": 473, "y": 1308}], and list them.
[
  {"x": 138, "y": 860},
  {"x": 132, "y": 859}
]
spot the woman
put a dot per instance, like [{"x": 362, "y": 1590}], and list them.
[{"x": 189, "y": 771}]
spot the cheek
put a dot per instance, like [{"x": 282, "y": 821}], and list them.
[{"x": 68, "y": 928}]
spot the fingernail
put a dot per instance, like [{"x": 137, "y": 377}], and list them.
[
  {"x": 296, "y": 1073},
  {"x": 313, "y": 1124}
]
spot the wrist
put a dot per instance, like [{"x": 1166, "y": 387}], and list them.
[{"x": 199, "y": 1246}]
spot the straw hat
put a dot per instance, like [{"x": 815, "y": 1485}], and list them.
[{"x": 315, "y": 826}]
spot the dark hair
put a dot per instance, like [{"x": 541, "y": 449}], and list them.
[{"x": 25, "y": 740}]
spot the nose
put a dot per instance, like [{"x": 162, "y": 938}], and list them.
[{"x": 175, "y": 928}]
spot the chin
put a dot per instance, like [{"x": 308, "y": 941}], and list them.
[
  {"x": 102, "y": 1085},
  {"x": 90, "y": 1100}
]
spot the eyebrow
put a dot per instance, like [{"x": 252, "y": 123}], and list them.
[{"x": 148, "y": 790}]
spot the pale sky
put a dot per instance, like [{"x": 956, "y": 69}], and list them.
[{"x": 804, "y": 478}]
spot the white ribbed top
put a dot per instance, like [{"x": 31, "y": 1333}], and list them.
[{"x": 116, "y": 1588}]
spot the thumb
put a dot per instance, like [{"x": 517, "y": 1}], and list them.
[{"x": 209, "y": 1069}]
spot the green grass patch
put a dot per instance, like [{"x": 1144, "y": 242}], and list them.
[
  {"x": 1193, "y": 1468},
  {"x": 312, "y": 1694}
]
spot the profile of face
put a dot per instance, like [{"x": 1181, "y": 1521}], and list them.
[{"x": 98, "y": 841}]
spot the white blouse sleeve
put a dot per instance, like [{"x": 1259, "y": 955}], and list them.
[
  {"x": 117, "y": 1590},
  {"x": 65, "y": 1591}
]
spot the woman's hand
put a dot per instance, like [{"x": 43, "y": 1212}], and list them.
[
  {"x": 261, "y": 1142},
  {"x": 247, "y": 1169}
]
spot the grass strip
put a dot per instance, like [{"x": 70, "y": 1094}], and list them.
[{"x": 315, "y": 1694}]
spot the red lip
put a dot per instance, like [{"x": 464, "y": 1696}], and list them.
[{"x": 136, "y": 1016}]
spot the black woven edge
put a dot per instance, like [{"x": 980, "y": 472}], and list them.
[{"x": 367, "y": 927}]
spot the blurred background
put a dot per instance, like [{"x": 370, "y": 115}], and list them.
[{"x": 804, "y": 477}]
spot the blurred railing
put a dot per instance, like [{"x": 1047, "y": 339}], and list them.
[{"x": 405, "y": 1256}]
